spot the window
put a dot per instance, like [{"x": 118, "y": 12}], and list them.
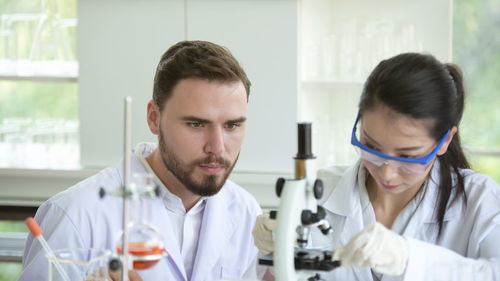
[
  {"x": 12, "y": 239},
  {"x": 476, "y": 49},
  {"x": 38, "y": 84},
  {"x": 38, "y": 103}
]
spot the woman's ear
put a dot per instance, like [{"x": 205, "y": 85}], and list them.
[
  {"x": 444, "y": 148},
  {"x": 153, "y": 117}
]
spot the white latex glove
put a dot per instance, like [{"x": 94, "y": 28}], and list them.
[
  {"x": 378, "y": 248},
  {"x": 262, "y": 233}
]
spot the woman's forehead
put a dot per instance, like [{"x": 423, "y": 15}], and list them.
[{"x": 382, "y": 121}]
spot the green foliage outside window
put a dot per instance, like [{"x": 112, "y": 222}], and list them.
[
  {"x": 476, "y": 49},
  {"x": 10, "y": 271}
]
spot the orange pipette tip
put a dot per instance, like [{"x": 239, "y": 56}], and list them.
[{"x": 33, "y": 226}]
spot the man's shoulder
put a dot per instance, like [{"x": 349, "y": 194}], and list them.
[{"x": 87, "y": 190}]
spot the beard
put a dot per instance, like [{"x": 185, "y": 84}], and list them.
[{"x": 208, "y": 185}]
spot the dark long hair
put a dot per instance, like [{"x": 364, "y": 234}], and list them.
[{"x": 419, "y": 86}]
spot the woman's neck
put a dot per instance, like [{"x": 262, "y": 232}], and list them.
[{"x": 387, "y": 206}]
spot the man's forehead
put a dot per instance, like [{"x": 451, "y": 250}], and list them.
[{"x": 206, "y": 100}]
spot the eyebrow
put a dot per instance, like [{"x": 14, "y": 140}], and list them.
[
  {"x": 206, "y": 121},
  {"x": 237, "y": 120},
  {"x": 409, "y": 148}
]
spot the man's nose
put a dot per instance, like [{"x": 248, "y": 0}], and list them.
[{"x": 214, "y": 141}]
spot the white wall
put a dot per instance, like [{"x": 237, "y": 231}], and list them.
[
  {"x": 120, "y": 43},
  {"x": 337, "y": 34}
]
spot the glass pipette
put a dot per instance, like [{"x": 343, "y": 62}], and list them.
[{"x": 37, "y": 232}]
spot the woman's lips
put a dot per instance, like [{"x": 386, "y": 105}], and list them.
[{"x": 391, "y": 187}]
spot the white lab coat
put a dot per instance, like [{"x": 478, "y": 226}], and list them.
[
  {"x": 78, "y": 218},
  {"x": 471, "y": 231}
]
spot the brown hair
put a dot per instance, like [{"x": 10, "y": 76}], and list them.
[{"x": 195, "y": 59}]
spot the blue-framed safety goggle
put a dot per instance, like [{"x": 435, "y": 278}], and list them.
[{"x": 422, "y": 160}]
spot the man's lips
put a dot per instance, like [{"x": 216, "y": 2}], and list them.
[{"x": 212, "y": 168}]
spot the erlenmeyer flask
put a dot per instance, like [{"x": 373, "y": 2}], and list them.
[{"x": 145, "y": 243}]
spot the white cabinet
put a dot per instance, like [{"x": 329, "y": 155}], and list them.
[
  {"x": 121, "y": 43},
  {"x": 341, "y": 42},
  {"x": 307, "y": 60}
]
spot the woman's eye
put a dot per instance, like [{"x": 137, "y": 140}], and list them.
[
  {"x": 408, "y": 156},
  {"x": 371, "y": 146}
]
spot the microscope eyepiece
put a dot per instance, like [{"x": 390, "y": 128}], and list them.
[{"x": 304, "y": 141}]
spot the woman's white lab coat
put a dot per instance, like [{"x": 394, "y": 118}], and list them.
[
  {"x": 470, "y": 231},
  {"x": 78, "y": 218}
]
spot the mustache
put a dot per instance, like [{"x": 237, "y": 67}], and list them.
[{"x": 213, "y": 159}]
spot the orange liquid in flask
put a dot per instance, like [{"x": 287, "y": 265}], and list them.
[{"x": 138, "y": 250}]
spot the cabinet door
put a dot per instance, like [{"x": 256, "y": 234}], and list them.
[
  {"x": 263, "y": 37},
  {"x": 119, "y": 45}
]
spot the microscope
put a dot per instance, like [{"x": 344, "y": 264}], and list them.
[{"x": 298, "y": 213}]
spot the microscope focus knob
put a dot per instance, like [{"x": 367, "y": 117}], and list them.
[
  {"x": 318, "y": 189},
  {"x": 280, "y": 183}
]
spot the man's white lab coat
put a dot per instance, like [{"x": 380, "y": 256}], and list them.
[
  {"x": 78, "y": 218},
  {"x": 472, "y": 231}
]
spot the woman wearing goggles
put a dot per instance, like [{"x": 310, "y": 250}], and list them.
[
  {"x": 406, "y": 165},
  {"x": 411, "y": 201}
]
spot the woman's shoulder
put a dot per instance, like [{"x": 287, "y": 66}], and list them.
[{"x": 480, "y": 188}]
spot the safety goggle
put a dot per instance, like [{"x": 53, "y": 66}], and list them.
[{"x": 405, "y": 165}]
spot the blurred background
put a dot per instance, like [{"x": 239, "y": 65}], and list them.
[{"x": 65, "y": 66}]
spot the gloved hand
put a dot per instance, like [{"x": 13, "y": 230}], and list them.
[
  {"x": 378, "y": 248},
  {"x": 262, "y": 234}
]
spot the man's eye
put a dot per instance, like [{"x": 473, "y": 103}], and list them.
[
  {"x": 232, "y": 125},
  {"x": 195, "y": 124}
]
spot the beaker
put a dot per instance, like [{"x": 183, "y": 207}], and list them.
[
  {"x": 79, "y": 264},
  {"x": 145, "y": 243}
]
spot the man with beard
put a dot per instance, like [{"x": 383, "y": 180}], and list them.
[{"x": 198, "y": 112}]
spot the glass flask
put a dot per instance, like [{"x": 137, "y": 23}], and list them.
[{"x": 145, "y": 243}]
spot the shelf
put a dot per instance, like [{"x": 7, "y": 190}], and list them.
[{"x": 41, "y": 71}]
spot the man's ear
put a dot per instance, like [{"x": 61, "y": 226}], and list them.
[
  {"x": 444, "y": 148},
  {"x": 153, "y": 117}
]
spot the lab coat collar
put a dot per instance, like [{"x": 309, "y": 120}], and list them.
[
  {"x": 216, "y": 230},
  {"x": 160, "y": 220},
  {"x": 344, "y": 199}
]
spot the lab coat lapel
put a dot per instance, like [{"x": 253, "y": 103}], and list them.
[
  {"x": 344, "y": 202},
  {"x": 352, "y": 226},
  {"x": 215, "y": 233},
  {"x": 162, "y": 222},
  {"x": 160, "y": 219}
]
